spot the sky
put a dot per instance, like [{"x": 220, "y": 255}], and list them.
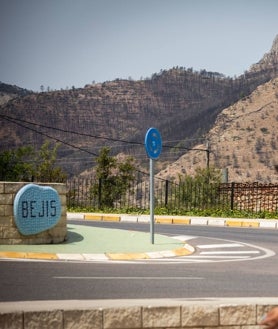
[{"x": 59, "y": 44}]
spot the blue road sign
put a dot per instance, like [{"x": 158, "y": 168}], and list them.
[{"x": 153, "y": 143}]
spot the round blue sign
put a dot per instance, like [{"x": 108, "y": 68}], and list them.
[{"x": 153, "y": 143}]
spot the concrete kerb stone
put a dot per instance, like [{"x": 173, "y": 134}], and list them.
[
  {"x": 144, "y": 219},
  {"x": 129, "y": 218},
  {"x": 75, "y": 215},
  {"x": 174, "y": 313},
  {"x": 183, "y": 220},
  {"x": 184, "y": 251},
  {"x": 268, "y": 224},
  {"x": 199, "y": 221},
  {"x": 216, "y": 221}
]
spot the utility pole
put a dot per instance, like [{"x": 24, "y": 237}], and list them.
[{"x": 207, "y": 152}]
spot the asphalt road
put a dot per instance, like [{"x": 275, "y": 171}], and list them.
[{"x": 208, "y": 273}]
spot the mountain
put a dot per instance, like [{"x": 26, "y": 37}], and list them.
[
  {"x": 269, "y": 60},
  {"x": 243, "y": 140},
  {"x": 8, "y": 92},
  {"x": 181, "y": 103}
]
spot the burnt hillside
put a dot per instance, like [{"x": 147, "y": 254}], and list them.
[{"x": 180, "y": 102}]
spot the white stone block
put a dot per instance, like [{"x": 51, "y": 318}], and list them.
[
  {"x": 199, "y": 221},
  {"x": 129, "y": 218}
]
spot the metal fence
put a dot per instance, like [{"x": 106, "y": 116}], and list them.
[{"x": 192, "y": 196}]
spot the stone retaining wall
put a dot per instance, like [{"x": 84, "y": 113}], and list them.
[
  {"x": 176, "y": 315},
  {"x": 9, "y": 233}
]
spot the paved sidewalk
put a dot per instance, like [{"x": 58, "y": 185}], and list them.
[{"x": 100, "y": 244}]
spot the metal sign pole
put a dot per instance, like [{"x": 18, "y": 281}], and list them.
[
  {"x": 151, "y": 202},
  {"x": 153, "y": 145}
]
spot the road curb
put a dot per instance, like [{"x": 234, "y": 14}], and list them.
[
  {"x": 183, "y": 251},
  {"x": 27, "y": 255},
  {"x": 181, "y": 220},
  {"x": 169, "y": 313}
]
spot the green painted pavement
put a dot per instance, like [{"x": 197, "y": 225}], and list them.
[{"x": 84, "y": 239}]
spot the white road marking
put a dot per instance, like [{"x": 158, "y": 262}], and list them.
[
  {"x": 127, "y": 278},
  {"x": 229, "y": 252},
  {"x": 184, "y": 237},
  {"x": 217, "y": 257},
  {"x": 222, "y": 245}
]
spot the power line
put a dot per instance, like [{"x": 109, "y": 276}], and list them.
[
  {"x": 20, "y": 122},
  {"x": 44, "y": 134},
  {"x": 91, "y": 136},
  {"x": 70, "y": 131},
  {"x": 10, "y": 119}
]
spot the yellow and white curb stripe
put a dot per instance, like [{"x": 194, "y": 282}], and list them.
[
  {"x": 28, "y": 255},
  {"x": 180, "y": 220},
  {"x": 183, "y": 251}
]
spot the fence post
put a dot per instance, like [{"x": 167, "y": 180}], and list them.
[
  {"x": 232, "y": 195},
  {"x": 166, "y": 192},
  {"x": 99, "y": 193}
]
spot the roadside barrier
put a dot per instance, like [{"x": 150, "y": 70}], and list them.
[{"x": 169, "y": 313}]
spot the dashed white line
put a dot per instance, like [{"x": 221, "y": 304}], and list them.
[
  {"x": 218, "y": 257},
  {"x": 127, "y": 278},
  {"x": 229, "y": 252},
  {"x": 222, "y": 245}
]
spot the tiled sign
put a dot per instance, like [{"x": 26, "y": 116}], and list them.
[{"x": 36, "y": 209}]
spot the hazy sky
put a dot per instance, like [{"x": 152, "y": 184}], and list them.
[{"x": 65, "y": 43}]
